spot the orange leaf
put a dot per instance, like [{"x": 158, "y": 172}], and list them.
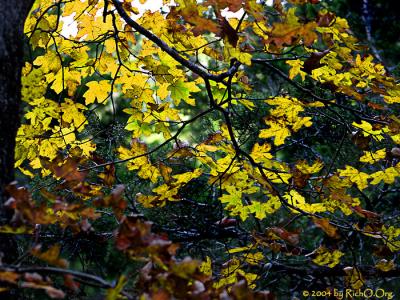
[
  {"x": 9, "y": 277},
  {"x": 324, "y": 224}
]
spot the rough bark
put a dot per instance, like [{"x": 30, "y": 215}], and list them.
[{"x": 12, "y": 16}]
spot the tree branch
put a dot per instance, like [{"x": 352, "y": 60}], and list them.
[
  {"x": 171, "y": 51},
  {"x": 88, "y": 279}
]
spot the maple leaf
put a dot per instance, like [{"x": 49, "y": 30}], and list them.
[
  {"x": 373, "y": 157},
  {"x": 193, "y": 14},
  {"x": 355, "y": 176},
  {"x": 180, "y": 90},
  {"x": 279, "y": 131},
  {"x": 388, "y": 176},
  {"x": 296, "y": 69},
  {"x": 385, "y": 265},
  {"x": 304, "y": 168},
  {"x": 291, "y": 237},
  {"x": 325, "y": 225},
  {"x": 261, "y": 153},
  {"x": 299, "y": 202},
  {"x": 368, "y": 130},
  {"x": 98, "y": 90},
  {"x": 206, "y": 267},
  {"x": 51, "y": 256},
  {"x": 325, "y": 257},
  {"x": 354, "y": 277}
]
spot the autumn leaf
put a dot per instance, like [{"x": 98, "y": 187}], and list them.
[
  {"x": 181, "y": 90},
  {"x": 325, "y": 225},
  {"x": 9, "y": 277},
  {"x": 51, "y": 256},
  {"x": 291, "y": 237},
  {"x": 354, "y": 277},
  {"x": 324, "y": 257},
  {"x": 113, "y": 293},
  {"x": 355, "y": 176},
  {"x": 98, "y": 91}
]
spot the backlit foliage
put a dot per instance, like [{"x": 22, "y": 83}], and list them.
[{"x": 183, "y": 95}]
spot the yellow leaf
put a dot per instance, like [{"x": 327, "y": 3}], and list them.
[
  {"x": 298, "y": 201},
  {"x": 367, "y": 130},
  {"x": 295, "y": 69},
  {"x": 234, "y": 52},
  {"x": 385, "y": 265},
  {"x": 139, "y": 160},
  {"x": 354, "y": 277},
  {"x": 241, "y": 249},
  {"x": 262, "y": 209},
  {"x": 326, "y": 257},
  {"x": 387, "y": 176},
  {"x": 276, "y": 130},
  {"x": 50, "y": 62},
  {"x": 180, "y": 90},
  {"x": 260, "y": 153},
  {"x": 304, "y": 168},
  {"x": 355, "y": 176},
  {"x": 206, "y": 267},
  {"x": 373, "y": 157},
  {"x": 17, "y": 230},
  {"x": 186, "y": 177},
  {"x": 98, "y": 90},
  {"x": 113, "y": 293},
  {"x": 254, "y": 258}
]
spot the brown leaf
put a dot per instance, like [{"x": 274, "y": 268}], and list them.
[
  {"x": 228, "y": 32},
  {"x": 214, "y": 138},
  {"x": 365, "y": 213},
  {"x": 161, "y": 295},
  {"x": 300, "y": 179},
  {"x": 324, "y": 224},
  {"x": 277, "y": 4},
  {"x": 313, "y": 62},
  {"x": 325, "y": 20},
  {"x": 165, "y": 172},
  {"x": 376, "y": 106},
  {"x": 180, "y": 152},
  {"x": 189, "y": 11},
  {"x": 66, "y": 169},
  {"x": 108, "y": 176},
  {"x": 115, "y": 200},
  {"x": 232, "y": 5},
  {"x": 360, "y": 140},
  {"x": 70, "y": 283},
  {"x": 291, "y": 237}
]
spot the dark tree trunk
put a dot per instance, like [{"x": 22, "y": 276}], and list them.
[{"x": 12, "y": 18}]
